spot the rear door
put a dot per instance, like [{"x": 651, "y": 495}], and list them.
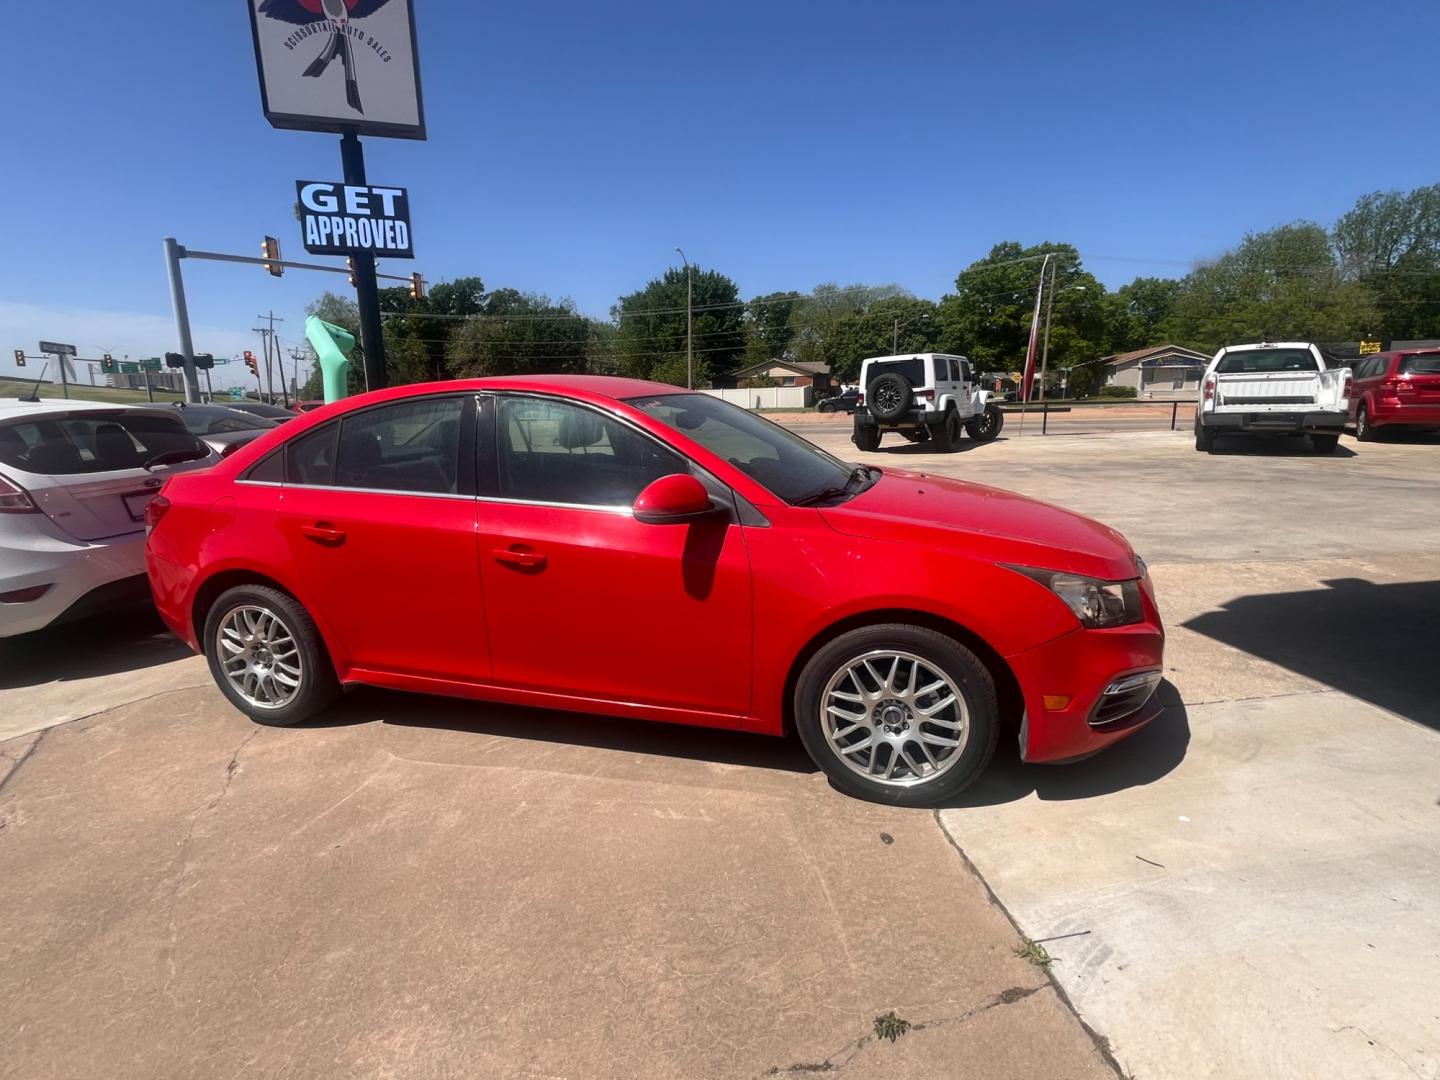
[
  {"x": 378, "y": 512},
  {"x": 86, "y": 470}
]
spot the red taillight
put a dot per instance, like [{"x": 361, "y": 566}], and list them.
[
  {"x": 155, "y": 509},
  {"x": 14, "y": 499},
  {"x": 1210, "y": 388}
]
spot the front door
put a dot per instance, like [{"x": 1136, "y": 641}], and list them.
[
  {"x": 379, "y": 515},
  {"x": 581, "y": 598}
]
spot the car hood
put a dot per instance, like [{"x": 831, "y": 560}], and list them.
[{"x": 985, "y": 522}]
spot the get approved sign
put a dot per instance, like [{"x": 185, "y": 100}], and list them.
[{"x": 342, "y": 219}]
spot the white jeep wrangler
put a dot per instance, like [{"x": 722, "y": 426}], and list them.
[{"x": 923, "y": 396}]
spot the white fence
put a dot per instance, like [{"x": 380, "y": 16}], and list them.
[{"x": 765, "y": 397}]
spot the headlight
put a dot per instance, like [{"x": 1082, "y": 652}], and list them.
[{"x": 1096, "y": 603}]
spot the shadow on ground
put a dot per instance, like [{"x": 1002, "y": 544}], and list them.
[
  {"x": 1374, "y": 642},
  {"x": 900, "y": 449},
  {"x": 127, "y": 639},
  {"x": 365, "y": 705},
  {"x": 1151, "y": 753},
  {"x": 1273, "y": 446}
]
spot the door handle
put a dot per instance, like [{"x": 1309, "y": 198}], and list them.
[
  {"x": 520, "y": 558},
  {"x": 322, "y": 532}
]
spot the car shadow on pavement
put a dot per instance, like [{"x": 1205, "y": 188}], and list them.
[
  {"x": 928, "y": 447},
  {"x": 366, "y": 705},
  {"x": 1374, "y": 642},
  {"x": 1151, "y": 753},
  {"x": 127, "y": 639},
  {"x": 1273, "y": 446}
]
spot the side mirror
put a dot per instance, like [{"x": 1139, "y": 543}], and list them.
[{"x": 677, "y": 499}]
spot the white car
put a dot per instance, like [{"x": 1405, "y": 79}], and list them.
[
  {"x": 1273, "y": 388},
  {"x": 923, "y": 396},
  {"x": 75, "y": 477}
]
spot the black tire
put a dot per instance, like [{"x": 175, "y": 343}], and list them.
[
  {"x": 947, "y": 433},
  {"x": 1365, "y": 431},
  {"x": 866, "y": 437},
  {"x": 318, "y": 687},
  {"x": 1324, "y": 444},
  {"x": 957, "y": 663},
  {"x": 987, "y": 426},
  {"x": 1204, "y": 438},
  {"x": 825, "y": 406},
  {"x": 889, "y": 397}
]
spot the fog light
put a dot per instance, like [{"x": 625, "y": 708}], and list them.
[
  {"x": 24, "y": 596},
  {"x": 1056, "y": 702}
]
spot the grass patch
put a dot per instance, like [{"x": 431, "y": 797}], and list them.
[
  {"x": 12, "y": 388},
  {"x": 1033, "y": 953},
  {"x": 890, "y": 1026}
]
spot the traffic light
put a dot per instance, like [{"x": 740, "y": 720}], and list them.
[
  {"x": 270, "y": 248},
  {"x": 204, "y": 361},
  {"x": 350, "y": 262},
  {"x": 417, "y": 287},
  {"x": 107, "y": 364},
  {"x": 19, "y": 357},
  {"x": 174, "y": 360},
  {"x": 252, "y": 364}
]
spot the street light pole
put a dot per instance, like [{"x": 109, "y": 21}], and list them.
[
  {"x": 1049, "y": 304},
  {"x": 895, "y": 338},
  {"x": 689, "y": 322}
]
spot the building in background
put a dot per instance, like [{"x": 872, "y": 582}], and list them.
[
  {"x": 1159, "y": 373},
  {"x": 813, "y": 374}
]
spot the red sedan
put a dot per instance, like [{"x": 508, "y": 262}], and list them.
[{"x": 629, "y": 549}]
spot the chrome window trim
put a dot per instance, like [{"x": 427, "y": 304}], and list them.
[{"x": 610, "y": 508}]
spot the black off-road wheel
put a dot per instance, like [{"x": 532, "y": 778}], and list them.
[
  {"x": 1204, "y": 437},
  {"x": 866, "y": 437},
  {"x": 946, "y": 433},
  {"x": 889, "y": 397},
  {"x": 1324, "y": 444},
  {"x": 897, "y": 714},
  {"x": 987, "y": 425}
]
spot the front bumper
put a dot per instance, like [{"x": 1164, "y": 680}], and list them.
[
  {"x": 1073, "y": 673},
  {"x": 82, "y": 577},
  {"x": 1328, "y": 423}
]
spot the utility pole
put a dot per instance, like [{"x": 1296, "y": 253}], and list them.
[
  {"x": 270, "y": 340},
  {"x": 689, "y": 322},
  {"x": 296, "y": 355},
  {"x": 1049, "y": 304},
  {"x": 182, "y": 319}
]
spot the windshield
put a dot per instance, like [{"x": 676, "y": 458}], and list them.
[
  {"x": 88, "y": 444},
  {"x": 785, "y": 464},
  {"x": 1255, "y": 361},
  {"x": 220, "y": 421},
  {"x": 912, "y": 368},
  {"x": 1420, "y": 364}
]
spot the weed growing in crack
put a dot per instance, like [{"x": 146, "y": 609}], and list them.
[
  {"x": 1034, "y": 953},
  {"x": 890, "y": 1026}
]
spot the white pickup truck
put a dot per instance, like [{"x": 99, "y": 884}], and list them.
[{"x": 1273, "y": 388}]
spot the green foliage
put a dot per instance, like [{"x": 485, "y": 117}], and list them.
[
  {"x": 421, "y": 330},
  {"x": 1389, "y": 243},
  {"x": 650, "y": 342},
  {"x": 1136, "y": 313},
  {"x": 855, "y": 336},
  {"x": 1112, "y": 391},
  {"x": 768, "y": 327},
  {"x": 890, "y": 1026},
  {"x": 519, "y": 333},
  {"x": 815, "y": 316}
]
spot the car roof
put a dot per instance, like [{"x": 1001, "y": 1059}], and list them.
[
  {"x": 14, "y": 408},
  {"x": 583, "y": 386},
  {"x": 1268, "y": 345},
  {"x": 913, "y": 356}
]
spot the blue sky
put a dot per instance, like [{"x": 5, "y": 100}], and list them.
[{"x": 573, "y": 146}]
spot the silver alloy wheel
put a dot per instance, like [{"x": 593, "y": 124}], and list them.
[
  {"x": 259, "y": 656},
  {"x": 894, "y": 718}
]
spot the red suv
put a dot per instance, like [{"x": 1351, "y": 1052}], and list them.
[
  {"x": 1398, "y": 389},
  {"x": 629, "y": 549}
]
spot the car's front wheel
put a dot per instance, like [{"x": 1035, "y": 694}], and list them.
[
  {"x": 986, "y": 426},
  {"x": 897, "y": 714},
  {"x": 267, "y": 657}
]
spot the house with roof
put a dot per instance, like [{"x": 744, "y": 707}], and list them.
[
  {"x": 1159, "y": 373},
  {"x": 809, "y": 373}
]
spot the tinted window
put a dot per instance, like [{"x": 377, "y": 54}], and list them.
[
  {"x": 911, "y": 367},
  {"x": 268, "y": 470},
  {"x": 965, "y": 371},
  {"x": 310, "y": 459},
  {"x": 552, "y": 451},
  {"x": 108, "y": 442},
  {"x": 1252, "y": 361},
  {"x": 408, "y": 446},
  {"x": 784, "y": 463},
  {"x": 1422, "y": 364}
]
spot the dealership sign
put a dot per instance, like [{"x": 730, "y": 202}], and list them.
[
  {"x": 341, "y": 219},
  {"x": 339, "y": 65}
]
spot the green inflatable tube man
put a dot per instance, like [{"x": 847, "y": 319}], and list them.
[{"x": 333, "y": 345}]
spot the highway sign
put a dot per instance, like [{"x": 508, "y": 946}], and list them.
[{"x": 57, "y": 348}]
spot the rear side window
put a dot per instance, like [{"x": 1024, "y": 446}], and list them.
[
  {"x": 1420, "y": 364},
  {"x": 310, "y": 459},
  {"x": 109, "y": 442},
  {"x": 408, "y": 446},
  {"x": 1257, "y": 361}
]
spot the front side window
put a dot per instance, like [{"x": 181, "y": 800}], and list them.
[
  {"x": 783, "y": 463},
  {"x": 555, "y": 452},
  {"x": 408, "y": 446}
]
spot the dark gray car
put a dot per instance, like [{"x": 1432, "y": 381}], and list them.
[{"x": 223, "y": 430}]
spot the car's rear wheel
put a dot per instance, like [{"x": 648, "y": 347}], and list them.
[
  {"x": 1364, "y": 429},
  {"x": 267, "y": 657},
  {"x": 987, "y": 425},
  {"x": 897, "y": 714},
  {"x": 1204, "y": 437},
  {"x": 1324, "y": 444},
  {"x": 825, "y": 406},
  {"x": 866, "y": 437},
  {"x": 947, "y": 433}
]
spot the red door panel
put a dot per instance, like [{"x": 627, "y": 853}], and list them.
[
  {"x": 597, "y": 604},
  {"x": 395, "y": 575}
]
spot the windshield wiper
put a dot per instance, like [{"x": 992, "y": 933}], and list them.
[{"x": 859, "y": 479}]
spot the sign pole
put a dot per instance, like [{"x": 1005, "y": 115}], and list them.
[
  {"x": 64, "y": 382},
  {"x": 182, "y": 319},
  {"x": 367, "y": 291}
]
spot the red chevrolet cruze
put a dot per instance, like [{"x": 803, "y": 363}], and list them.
[{"x": 629, "y": 549}]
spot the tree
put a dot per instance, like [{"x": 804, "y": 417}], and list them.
[
  {"x": 1389, "y": 243},
  {"x": 768, "y": 331},
  {"x": 429, "y": 323},
  {"x": 1280, "y": 285},
  {"x": 989, "y": 315},
  {"x": 1136, "y": 313},
  {"x": 519, "y": 333},
  {"x": 815, "y": 317},
  {"x": 651, "y": 328},
  {"x": 855, "y": 336}
]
